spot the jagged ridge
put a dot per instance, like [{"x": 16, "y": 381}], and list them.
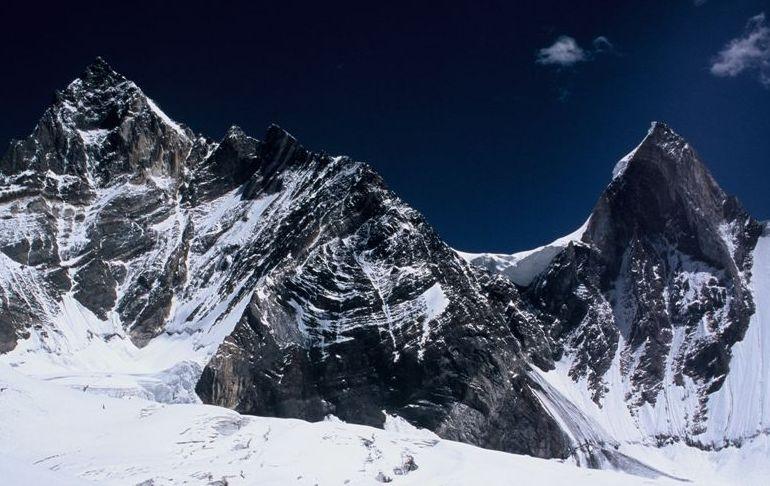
[{"x": 309, "y": 286}]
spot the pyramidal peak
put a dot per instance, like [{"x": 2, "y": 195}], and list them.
[
  {"x": 665, "y": 138},
  {"x": 100, "y": 71},
  {"x": 105, "y": 96},
  {"x": 98, "y": 84},
  {"x": 663, "y": 188},
  {"x": 660, "y": 136},
  {"x": 664, "y": 174},
  {"x": 100, "y": 126}
]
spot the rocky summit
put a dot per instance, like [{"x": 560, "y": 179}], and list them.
[{"x": 278, "y": 281}]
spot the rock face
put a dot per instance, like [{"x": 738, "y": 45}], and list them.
[
  {"x": 672, "y": 256},
  {"x": 303, "y": 287},
  {"x": 340, "y": 299},
  {"x": 362, "y": 308},
  {"x": 83, "y": 195}
]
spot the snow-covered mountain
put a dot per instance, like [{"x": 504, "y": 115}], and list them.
[
  {"x": 299, "y": 283},
  {"x": 141, "y": 261},
  {"x": 651, "y": 308}
]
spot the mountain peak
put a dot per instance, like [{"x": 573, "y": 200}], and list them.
[
  {"x": 663, "y": 136},
  {"x": 662, "y": 189},
  {"x": 98, "y": 76},
  {"x": 100, "y": 66},
  {"x": 99, "y": 93},
  {"x": 280, "y": 146},
  {"x": 660, "y": 138},
  {"x": 276, "y": 134},
  {"x": 659, "y": 127},
  {"x": 234, "y": 131},
  {"x": 101, "y": 97},
  {"x": 99, "y": 126}
]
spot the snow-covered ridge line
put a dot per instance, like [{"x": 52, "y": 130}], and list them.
[
  {"x": 524, "y": 266},
  {"x": 162, "y": 115}
]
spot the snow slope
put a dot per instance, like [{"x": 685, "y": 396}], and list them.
[
  {"x": 738, "y": 412},
  {"x": 78, "y": 348},
  {"x": 748, "y": 383},
  {"x": 522, "y": 267},
  {"x": 62, "y": 436}
]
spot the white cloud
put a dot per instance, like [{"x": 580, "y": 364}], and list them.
[
  {"x": 748, "y": 53},
  {"x": 566, "y": 52},
  {"x": 603, "y": 44},
  {"x": 698, "y": 3}
]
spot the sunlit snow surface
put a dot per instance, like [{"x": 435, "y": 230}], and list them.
[
  {"x": 54, "y": 435},
  {"x": 741, "y": 408}
]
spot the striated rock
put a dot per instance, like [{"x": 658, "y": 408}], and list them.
[
  {"x": 362, "y": 308},
  {"x": 342, "y": 298}
]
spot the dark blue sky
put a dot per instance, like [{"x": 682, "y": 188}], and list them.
[{"x": 445, "y": 100}]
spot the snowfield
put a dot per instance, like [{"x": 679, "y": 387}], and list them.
[{"x": 52, "y": 434}]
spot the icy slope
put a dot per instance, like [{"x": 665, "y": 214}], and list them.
[
  {"x": 741, "y": 408},
  {"x": 62, "y": 436}
]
